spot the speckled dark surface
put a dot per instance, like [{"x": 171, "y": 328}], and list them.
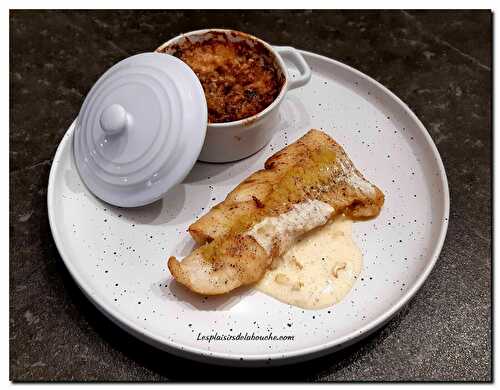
[{"x": 439, "y": 63}]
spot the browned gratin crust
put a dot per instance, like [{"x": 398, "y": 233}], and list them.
[{"x": 240, "y": 79}]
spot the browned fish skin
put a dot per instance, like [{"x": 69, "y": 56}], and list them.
[
  {"x": 241, "y": 200},
  {"x": 243, "y": 261},
  {"x": 236, "y": 259}
]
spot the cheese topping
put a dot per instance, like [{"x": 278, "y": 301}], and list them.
[
  {"x": 239, "y": 78},
  {"x": 318, "y": 270}
]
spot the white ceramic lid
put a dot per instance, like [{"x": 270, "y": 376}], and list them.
[{"x": 140, "y": 129}]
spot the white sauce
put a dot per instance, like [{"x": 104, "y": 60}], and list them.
[
  {"x": 318, "y": 270},
  {"x": 354, "y": 179},
  {"x": 284, "y": 229}
]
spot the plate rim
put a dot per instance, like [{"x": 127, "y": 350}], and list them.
[{"x": 301, "y": 354}]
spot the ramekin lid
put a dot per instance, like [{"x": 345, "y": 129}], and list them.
[{"x": 140, "y": 129}]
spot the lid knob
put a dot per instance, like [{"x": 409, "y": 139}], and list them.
[{"x": 114, "y": 119}]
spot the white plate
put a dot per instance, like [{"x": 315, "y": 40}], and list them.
[{"x": 118, "y": 256}]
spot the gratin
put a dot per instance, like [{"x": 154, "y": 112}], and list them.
[{"x": 239, "y": 78}]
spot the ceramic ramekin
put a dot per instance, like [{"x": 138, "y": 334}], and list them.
[{"x": 231, "y": 141}]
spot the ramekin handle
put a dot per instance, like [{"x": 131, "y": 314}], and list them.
[{"x": 300, "y": 63}]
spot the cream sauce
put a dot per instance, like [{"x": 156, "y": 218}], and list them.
[{"x": 318, "y": 270}]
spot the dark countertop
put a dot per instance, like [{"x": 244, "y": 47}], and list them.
[{"x": 439, "y": 63}]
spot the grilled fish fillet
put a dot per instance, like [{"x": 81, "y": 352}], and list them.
[{"x": 302, "y": 187}]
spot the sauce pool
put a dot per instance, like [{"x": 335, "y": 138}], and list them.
[{"x": 318, "y": 270}]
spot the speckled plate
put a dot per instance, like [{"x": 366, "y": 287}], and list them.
[{"x": 118, "y": 256}]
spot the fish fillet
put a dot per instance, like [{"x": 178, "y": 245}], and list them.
[{"x": 302, "y": 187}]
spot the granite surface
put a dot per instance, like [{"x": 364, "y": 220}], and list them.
[{"x": 439, "y": 63}]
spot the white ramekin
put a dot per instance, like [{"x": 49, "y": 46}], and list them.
[{"x": 231, "y": 141}]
